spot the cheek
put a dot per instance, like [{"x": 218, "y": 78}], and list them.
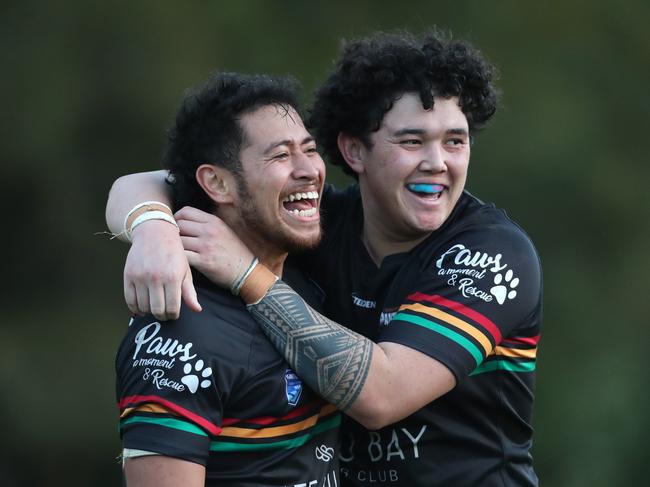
[{"x": 459, "y": 170}]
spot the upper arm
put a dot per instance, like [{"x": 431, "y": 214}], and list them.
[
  {"x": 162, "y": 471},
  {"x": 127, "y": 191},
  {"x": 169, "y": 387}
]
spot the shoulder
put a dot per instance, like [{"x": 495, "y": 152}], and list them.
[
  {"x": 479, "y": 229},
  {"x": 485, "y": 261},
  {"x": 222, "y": 331},
  {"x": 339, "y": 205},
  {"x": 333, "y": 196}
]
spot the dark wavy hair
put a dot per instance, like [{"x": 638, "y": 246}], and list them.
[
  {"x": 207, "y": 129},
  {"x": 374, "y": 72}
]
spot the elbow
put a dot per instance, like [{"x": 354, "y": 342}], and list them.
[
  {"x": 108, "y": 215},
  {"x": 373, "y": 414},
  {"x": 375, "y": 423},
  {"x": 112, "y": 214}
]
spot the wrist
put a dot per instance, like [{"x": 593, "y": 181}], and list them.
[
  {"x": 145, "y": 212},
  {"x": 154, "y": 230},
  {"x": 256, "y": 283}
]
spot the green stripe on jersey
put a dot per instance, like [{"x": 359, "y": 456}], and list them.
[
  {"x": 494, "y": 365},
  {"x": 452, "y": 335},
  {"x": 176, "y": 424},
  {"x": 283, "y": 444}
]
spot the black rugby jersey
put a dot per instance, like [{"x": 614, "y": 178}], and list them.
[
  {"x": 468, "y": 296},
  {"x": 210, "y": 388}
]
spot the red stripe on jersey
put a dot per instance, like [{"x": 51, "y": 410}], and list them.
[
  {"x": 204, "y": 423},
  {"x": 525, "y": 340},
  {"x": 266, "y": 420},
  {"x": 462, "y": 309}
]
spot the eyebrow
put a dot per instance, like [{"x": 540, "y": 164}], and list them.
[
  {"x": 273, "y": 145},
  {"x": 408, "y": 131},
  {"x": 416, "y": 131}
]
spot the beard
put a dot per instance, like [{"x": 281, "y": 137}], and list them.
[{"x": 275, "y": 233}]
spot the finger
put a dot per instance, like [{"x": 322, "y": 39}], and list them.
[
  {"x": 142, "y": 295},
  {"x": 157, "y": 301},
  {"x": 193, "y": 258},
  {"x": 190, "y": 228},
  {"x": 188, "y": 293},
  {"x": 193, "y": 214},
  {"x": 192, "y": 244},
  {"x": 172, "y": 301},
  {"x": 130, "y": 297}
]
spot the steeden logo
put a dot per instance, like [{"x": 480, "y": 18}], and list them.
[
  {"x": 324, "y": 453},
  {"x": 363, "y": 303}
]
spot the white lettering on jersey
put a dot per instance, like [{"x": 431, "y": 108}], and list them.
[
  {"x": 465, "y": 257},
  {"x": 363, "y": 303},
  {"x": 158, "y": 346},
  {"x": 476, "y": 264},
  {"x": 398, "y": 447}
]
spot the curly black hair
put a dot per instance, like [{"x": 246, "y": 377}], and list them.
[
  {"x": 207, "y": 129},
  {"x": 374, "y": 72}
]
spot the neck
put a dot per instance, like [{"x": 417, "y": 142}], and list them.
[
  {"x": 380, "y": 239},
  {"x": 268, "y": 254},
  {"x": 380, "y": 242}
]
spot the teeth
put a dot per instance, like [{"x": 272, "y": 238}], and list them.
[
  {"x": 310, "y": 195},
  {"x": 309, "y": 212}
]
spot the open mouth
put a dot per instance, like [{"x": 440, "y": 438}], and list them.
[
  {"x": 301, "y": 204},
  {"x": 428, "y": 191}
]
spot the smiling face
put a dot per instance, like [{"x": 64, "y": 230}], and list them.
[
  {"x": 414, "y": 173},
  {"x": 282, "y": 180}
]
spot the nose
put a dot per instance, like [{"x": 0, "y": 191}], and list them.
[
  {"x": 434, "y": 159},
  {"x": 308, "y": 166}
]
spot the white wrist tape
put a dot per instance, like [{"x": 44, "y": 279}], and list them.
[
  {"x": 151, "y": 215},
  {"x": 153, "y": 204}
]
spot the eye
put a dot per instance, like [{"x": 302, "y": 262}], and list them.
[
  {"x": 281, "y": 155},
  {"x": 455, "y": 142},
  {"x": 411, "y": 142}
]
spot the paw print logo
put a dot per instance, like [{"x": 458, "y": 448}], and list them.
[
  {"x": 191, "y": 378},
  {"x": 504, "y": 287}
]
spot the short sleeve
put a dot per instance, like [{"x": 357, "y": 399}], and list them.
[
  {"x": 477, "y": 297},
  {"x": 169, "y": 388}
]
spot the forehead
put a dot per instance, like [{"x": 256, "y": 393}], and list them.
[
  {"x": 408, "y": 111},
  {"x": 271, "y": 123}
]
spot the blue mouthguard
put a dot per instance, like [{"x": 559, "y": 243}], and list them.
[{"x": 426, "y": 188}]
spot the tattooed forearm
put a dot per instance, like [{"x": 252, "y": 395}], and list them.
[{"x": 333, "y": 360}]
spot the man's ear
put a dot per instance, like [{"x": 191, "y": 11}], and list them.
[
  {"x": 217, "y": 182},
  {"x": 352, "y": 150}
]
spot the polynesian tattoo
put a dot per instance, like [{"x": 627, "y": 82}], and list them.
[{"x": 331, "y": 359}]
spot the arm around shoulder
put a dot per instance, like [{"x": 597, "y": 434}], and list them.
[{"x": 376, "y": 384}]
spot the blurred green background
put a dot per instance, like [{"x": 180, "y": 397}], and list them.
[{"x": 89, "y": 88}]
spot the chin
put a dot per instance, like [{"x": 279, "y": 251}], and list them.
[{"x": 300, "y": 243}]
